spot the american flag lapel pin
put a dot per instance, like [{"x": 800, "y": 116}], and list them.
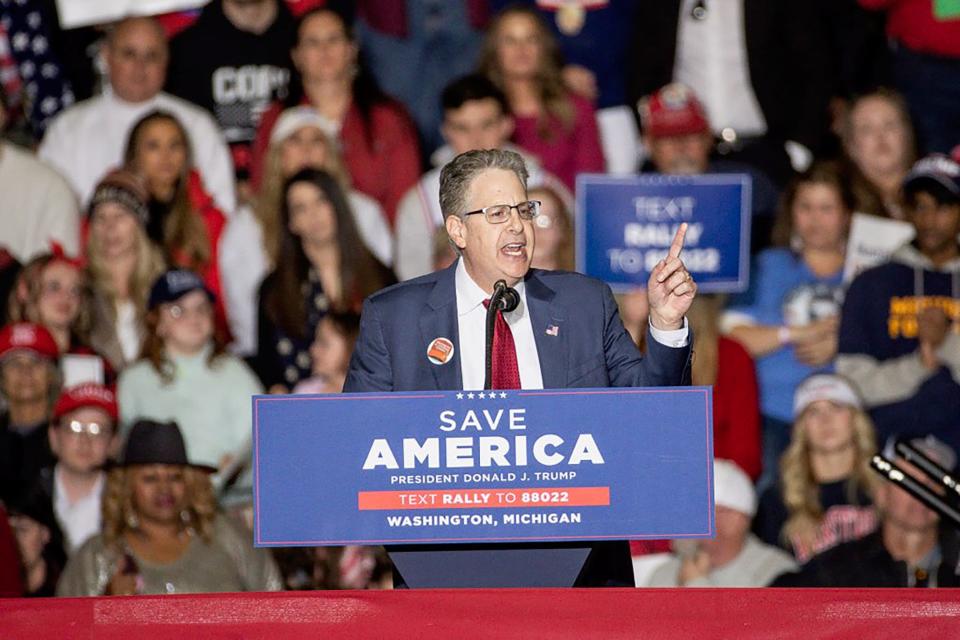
[{"x": 553, "y": 330}]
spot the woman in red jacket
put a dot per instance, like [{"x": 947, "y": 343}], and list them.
[
  {"x": 184, "y": 220},
  {"x": 378, "y": 139}
]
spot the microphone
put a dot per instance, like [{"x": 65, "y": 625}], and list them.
[
  {"x": 507, "y": 299},
  {"x": 504, "y": 299}
]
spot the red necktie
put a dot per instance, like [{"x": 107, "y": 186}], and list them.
[{"x": 505, "y": 373}]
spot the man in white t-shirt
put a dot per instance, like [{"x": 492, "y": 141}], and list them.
[{"x": 88, "y": 139}]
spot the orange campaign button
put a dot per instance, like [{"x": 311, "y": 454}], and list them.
[{"x": 440, "y": 351}]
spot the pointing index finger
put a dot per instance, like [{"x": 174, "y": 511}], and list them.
[{"x": 677, "y": 245}]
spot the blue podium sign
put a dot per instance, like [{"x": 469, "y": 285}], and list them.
[
  {"x": 625, "y": 226},
  {"x": 458, "y": 466}
]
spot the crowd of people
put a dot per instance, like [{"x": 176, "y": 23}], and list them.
[{"x": 195, "y": 206}]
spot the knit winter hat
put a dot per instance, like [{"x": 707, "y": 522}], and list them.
[{"x": 126, "y": 189}]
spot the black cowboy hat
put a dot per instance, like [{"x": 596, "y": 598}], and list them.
[{"x": 152, "y": 442}]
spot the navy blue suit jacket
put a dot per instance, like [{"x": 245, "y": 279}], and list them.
[{"x": 591, "y": 348}]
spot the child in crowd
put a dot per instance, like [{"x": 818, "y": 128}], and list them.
[
  {"x": 122, "y": 263},
  {"x": 330, "y": 353},
  {"x": 50, "y": 290},
  {"x": 185, "y": 376}
]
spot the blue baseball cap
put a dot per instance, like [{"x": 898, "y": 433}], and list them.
[{"x": 174, "y": 284}]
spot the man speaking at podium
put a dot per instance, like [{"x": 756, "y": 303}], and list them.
[{"x": 429, "y": 333}]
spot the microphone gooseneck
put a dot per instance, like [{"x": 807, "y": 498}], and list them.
[{"x": 504, "y": 299}]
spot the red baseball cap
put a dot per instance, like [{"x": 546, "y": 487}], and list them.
[
  {"x": 26, "y": 336},
  {"x": 673, "y": 110},
  {"x": 86, "y": 395}
]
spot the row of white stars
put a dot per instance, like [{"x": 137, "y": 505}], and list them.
[{"x": 481, "y": 395}]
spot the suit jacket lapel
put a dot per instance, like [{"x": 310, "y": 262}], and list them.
[
  {"x": 439, "y": 320},
  {"x": 547, "y": 320}
]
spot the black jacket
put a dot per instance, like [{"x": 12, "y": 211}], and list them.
[
  {"x": 867, "y": 563},
  {"x": 787, "y": 51}
]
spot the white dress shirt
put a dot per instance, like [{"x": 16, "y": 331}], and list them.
[
  {"x": 81, "y": 519},
  {"x": 87, "y": 140},
  {"x": 712, "y": 60},
  {"x": 471, "y": 324}
]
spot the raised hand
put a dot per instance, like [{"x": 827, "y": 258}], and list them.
[{"x": 671, "y": 288}]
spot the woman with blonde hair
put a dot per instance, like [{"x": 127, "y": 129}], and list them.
[
  {"x": 824, "y": 494},
  {"x": 122, "y": 264},
  {"x": 521, "y": 56},
  {"x": 378, "y": 139},
  {"x": 161, "y": 529}
]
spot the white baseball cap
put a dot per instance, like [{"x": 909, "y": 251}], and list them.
[
  {"x": 296, "y": 118},
  {"x": 824, "y": 386}
]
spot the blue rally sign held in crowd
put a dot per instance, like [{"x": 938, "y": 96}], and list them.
[
  {"x": 625, "y": 225},
  {"x": 501, "y": 466}
]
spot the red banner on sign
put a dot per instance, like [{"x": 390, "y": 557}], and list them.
[{"x": 480, "y": 498}]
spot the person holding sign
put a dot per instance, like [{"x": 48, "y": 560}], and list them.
[{"x": 428, "y": 333}]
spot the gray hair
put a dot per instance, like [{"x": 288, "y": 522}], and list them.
[{"x": 457, "y": 175}]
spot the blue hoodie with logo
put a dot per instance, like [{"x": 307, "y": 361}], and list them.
[{"x": 879, "y": 350}]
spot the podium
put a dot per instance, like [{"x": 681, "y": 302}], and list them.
[{"x": 487, "y": 489}]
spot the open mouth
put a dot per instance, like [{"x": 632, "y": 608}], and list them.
[{"x": 515, "y": 249}]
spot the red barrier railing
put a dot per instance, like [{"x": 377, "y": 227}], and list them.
[{"x": 508, "y": 613}]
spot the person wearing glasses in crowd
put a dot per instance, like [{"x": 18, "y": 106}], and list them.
[
  {"x": 428, "y": 333},
  {"x": 82, "y": 436}
]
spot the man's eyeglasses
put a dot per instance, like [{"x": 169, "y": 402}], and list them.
[
  {"x": 500, "y": 213},
  {"x": 91, "y": 429}
]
